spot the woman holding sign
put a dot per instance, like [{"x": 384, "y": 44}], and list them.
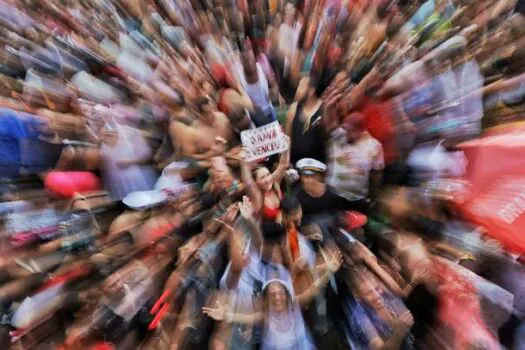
[{"x": 264, "y": 187}]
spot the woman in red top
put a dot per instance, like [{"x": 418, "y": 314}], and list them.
[{"x": 264, "y": 187}]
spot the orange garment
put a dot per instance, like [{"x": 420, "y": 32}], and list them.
[
  {"x": 274, "y": 4},
  {"x": 293, "y": 242}
]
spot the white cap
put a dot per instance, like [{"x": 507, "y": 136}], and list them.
[
  {"x": 142, "y": 200},
  {"x": 310, "y": 166}
]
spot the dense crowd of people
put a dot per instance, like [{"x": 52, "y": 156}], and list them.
[{"x": 137, "y": 214}]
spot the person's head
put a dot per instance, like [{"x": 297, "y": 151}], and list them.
[
  {"x": 292, "y": 211},
  {"x": 310, "y": 182},
  {"x": 311, "y": 173},
  {"x": 205, "y": 108},
  {"x": 263, "y": 178},
  {"x": 239, "y": 119},
  {"x": 366, "y": 288},
  {"x": 289, "y": 14},
  {"x": 383, "y": 10},
  {"x": 277, "y": 296},
  {"x": 311, "y": 89},
  {"x": 354, "y": 125}
]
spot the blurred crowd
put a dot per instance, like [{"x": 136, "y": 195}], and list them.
[{"x": 134, "y": 216}]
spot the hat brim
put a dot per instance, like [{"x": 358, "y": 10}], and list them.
[{"x": 310, "y": 171}]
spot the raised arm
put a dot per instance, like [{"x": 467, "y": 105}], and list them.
[
  {"x": 326, "y": 270},
  {"x": 251, "y": 186},
  {"x": 284, "y": 161}
]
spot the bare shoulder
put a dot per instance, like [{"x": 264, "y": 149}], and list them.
[{"x": 178, "y": 127}]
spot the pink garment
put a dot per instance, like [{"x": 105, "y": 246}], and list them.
[{"x": 67, "y": 183}]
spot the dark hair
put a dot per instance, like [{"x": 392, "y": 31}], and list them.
[
  {"x": 323, "y": 79},
  {"x": 290, "y": 204},
  {"x": 201, "y": 102},
  {"x": 272, "y": 231},
  {"x": 383, "y": 10}
]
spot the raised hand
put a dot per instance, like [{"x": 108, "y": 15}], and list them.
[
  {"x": 230, "y": 213},
  {"x": 335, "y": 261},
  {"x": 218, "y": 313},
  {"x": 246, "y": 208}
]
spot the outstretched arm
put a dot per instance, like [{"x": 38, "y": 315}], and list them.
[{"x": 221, "y": 312}]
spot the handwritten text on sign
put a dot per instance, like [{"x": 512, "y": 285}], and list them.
[{"x": 264, "y": 141}]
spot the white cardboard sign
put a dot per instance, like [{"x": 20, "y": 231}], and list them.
[{"x": 264, "y": 141}]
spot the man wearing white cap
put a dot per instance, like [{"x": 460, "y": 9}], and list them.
[{"x": 316, "y": 198}]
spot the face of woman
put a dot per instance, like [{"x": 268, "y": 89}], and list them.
[
  {"x": 370, "y": 293},
  {"x": 277, "y": 297},
  {"x": 264, "y": 179}
]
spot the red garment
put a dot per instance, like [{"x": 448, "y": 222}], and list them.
[
  {"x": 270, "y": 214},
  {"x": 161, "y": 231},
  {"x": 379, "y": 124},
  {"x": 460, "y": 310},
  {"x": 103, "y": 346},
  {"x": 68, "y": 183},
  {"x": 355, "y": 220},
  {"x": 496, "y": 198}
]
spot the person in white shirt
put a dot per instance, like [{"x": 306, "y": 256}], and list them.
[
  {"x": 288, "y": 35},
  {"x": 355, "y": 159}
]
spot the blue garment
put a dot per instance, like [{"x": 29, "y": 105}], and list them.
[
  {"x": 420, "y": 99},
  {"x": 12, "y": 132},
  {"x": 363, "y": 324},
  {"x": 15, "y": 130},
  {"x": 424, "y": 12}
]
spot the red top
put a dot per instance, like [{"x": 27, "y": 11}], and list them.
[
  {"x": 379, "y": 124},
  {"x": 270, "y": 214}
]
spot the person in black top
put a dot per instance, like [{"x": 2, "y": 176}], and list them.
[
  {"x": 320, "y": 204},
  {"x": 304, "y": 124}
]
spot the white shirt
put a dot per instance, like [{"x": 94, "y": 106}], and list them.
[
  {"x": 350, "y": 164},
  {"x": 288, "y": 38}
]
